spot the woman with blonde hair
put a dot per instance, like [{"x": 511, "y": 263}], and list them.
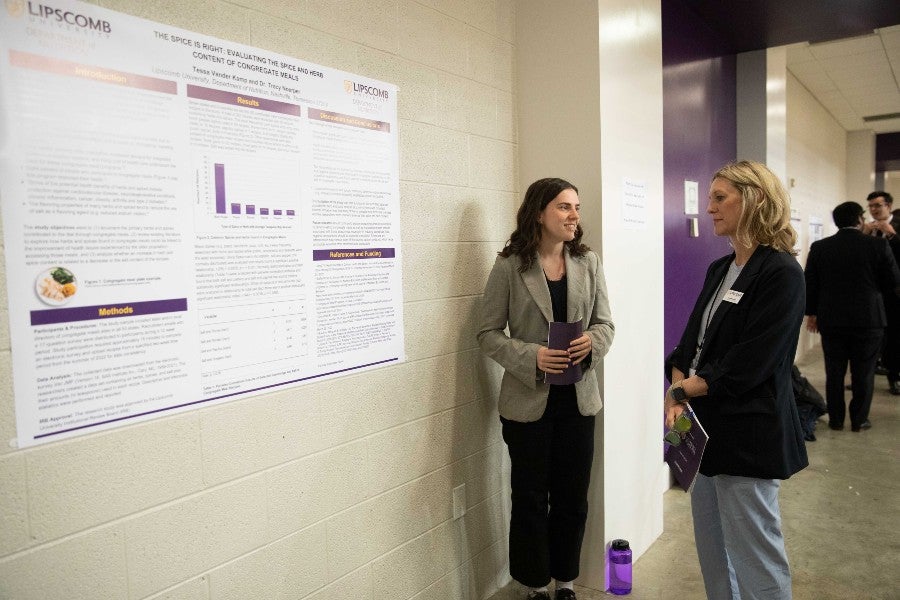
[{"x": 733, "y": 363}]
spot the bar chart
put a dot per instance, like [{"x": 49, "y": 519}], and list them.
[
  {"x": 236, "y": 207},
  {"x": 238, "y": 191}
]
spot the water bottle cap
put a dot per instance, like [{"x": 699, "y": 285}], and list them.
[{"x": 620, "y": 545}]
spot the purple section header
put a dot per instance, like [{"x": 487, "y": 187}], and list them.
[
  {"x": 353, "y": 254},
  {"x": 98, "y": 74},
  {"x": 108, "y": 311},
  {"x": 333, "y": 117},
  {"x": 243, "y": 100}
]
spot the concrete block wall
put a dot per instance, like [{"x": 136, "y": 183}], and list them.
[{"x": 339, "y": 489}]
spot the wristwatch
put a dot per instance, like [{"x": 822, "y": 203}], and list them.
[{"x": 678, "y": 394}]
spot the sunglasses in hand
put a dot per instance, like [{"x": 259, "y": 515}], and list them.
[{"x": 679, "y": 429}]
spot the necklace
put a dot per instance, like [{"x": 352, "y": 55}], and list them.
[{"x": 558, "y": 270}]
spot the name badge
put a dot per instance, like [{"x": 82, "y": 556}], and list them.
[{"x": 733, "y": 296}]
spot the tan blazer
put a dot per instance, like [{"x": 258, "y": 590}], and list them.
[{"x": 522, "y": 302}]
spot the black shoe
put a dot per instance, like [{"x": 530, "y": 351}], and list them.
[
  {"x": 810, "y": 437},
  {"x": 565, "y": 594},
  {"x": 894, "y": 388},
  {"x": 538, "y": 596},
  {"x": 864, "y": 425},
  {"x": 836, "y": 426},
  {"x": 848, "y": 387},
  {"x": 880, "y": 369}
]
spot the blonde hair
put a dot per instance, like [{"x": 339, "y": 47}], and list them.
[{"x": 766, "y": 207}]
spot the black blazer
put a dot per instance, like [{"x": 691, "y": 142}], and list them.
[
  {"x": 748, "y": 350},
  {"x": 846, "y": 275}
]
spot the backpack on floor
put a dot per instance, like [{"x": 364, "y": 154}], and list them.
[{"x": 810, "y": 403}]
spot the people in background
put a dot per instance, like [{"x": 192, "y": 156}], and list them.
[
  {"x": 880, "y": 204},
  {"x": 733, "y": 363},
  {"x": 895, "y": 218},
  {"x": 544, "y": 273},
  {"x": 884, "y": 225},
  {"x": 847, "y": 275}
]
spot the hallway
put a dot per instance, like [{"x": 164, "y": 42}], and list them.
[{"x": 841, "y": 516}]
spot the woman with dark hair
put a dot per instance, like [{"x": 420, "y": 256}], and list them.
[
  {"x": 545, "y": 274},
  {"x": 733, "y": 364}
]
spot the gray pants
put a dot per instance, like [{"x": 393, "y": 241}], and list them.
[{"x": 737, "y": 528}]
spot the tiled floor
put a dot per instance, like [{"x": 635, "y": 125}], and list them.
[{"x": 841, "y": 517}]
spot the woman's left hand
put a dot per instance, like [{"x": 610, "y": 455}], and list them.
[{"x": 579, "y": 348}]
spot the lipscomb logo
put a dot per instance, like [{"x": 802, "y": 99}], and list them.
[
  {"x": 361, "y": 89},
  {"x": 15, "y": 8}
]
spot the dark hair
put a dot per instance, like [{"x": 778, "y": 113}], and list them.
[
  {"x": 523, "y": 242},
  {"x": 888, "y": 199},
  {"x": 847, "y": 214}
]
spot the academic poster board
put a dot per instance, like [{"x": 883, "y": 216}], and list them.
[{"x": 186, "y": 220}]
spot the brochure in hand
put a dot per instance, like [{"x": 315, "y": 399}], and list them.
[
  {"x": 559, "y": 338},
  {"x": 685, "y": 444}
]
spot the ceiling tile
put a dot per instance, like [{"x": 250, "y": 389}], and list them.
[
  {"x": 813, "y": 77},
  {"x": 799, "y": 53},
  {"x": 887, "y": 126},
  {"x": 850, "y": 76},
  {"x": 855, "y": 45},
  {"x": 856, "y": 61},
  {"x": 890, "y": 36},
  {"x": 876, "y": 88},
  {"x": 861, "y": 76},
  {"x": 875, "y": 107}
]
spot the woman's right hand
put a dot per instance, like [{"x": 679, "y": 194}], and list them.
[{"x": 552, "y": 361}]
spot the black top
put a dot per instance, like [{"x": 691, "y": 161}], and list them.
[
  {"x": 558, "y": 299},
  {"x": 850, "y": 280}
]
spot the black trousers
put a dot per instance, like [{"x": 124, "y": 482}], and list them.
[
  {"x": 859, "y": 347},
  {"x": 551, "y": 470}
]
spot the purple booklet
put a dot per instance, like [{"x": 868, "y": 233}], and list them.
[
  {"x": 685, "y": 443},
  {"x": 559, "y": 338}
]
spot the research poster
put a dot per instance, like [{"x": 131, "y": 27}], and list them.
[{"x": 186, "y": 220}]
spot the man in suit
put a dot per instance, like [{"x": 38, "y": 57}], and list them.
[
  {"x": 883, "y": 224},
  {"x": 847, "y": 274}
]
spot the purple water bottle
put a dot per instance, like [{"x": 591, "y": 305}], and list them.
[{"x": 620, "y": 567}]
